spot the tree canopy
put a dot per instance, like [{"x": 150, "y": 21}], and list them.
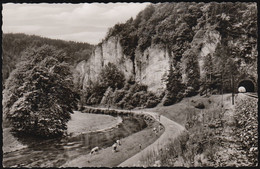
[{"x": 39, "y": 94}]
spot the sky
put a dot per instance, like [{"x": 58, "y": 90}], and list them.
[{"x": 88, "y": 22}]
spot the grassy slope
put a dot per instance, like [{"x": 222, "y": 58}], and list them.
[
  {"x": 84, "y": 122},
  {"x": 178, "y": 112},
  {"x": 184, "y": 146},
  {"x": 214, "y": 139}
]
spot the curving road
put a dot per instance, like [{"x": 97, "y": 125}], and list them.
[{"x": 172, "y": 130}]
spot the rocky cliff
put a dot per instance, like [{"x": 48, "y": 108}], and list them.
[
  {"x": 109, "y": 51},
  {"x": 214, "y": 39},
  {"x": 149, "y": 67}
]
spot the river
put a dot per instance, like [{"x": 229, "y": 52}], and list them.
[{"x": 56, "y": 152}]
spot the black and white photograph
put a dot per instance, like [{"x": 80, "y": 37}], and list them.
[{"x": 129, "y": 84}]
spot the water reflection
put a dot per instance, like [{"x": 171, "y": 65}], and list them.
[{"x": 55, "y": 152}]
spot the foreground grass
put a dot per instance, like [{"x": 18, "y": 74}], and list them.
[{"x": 214, "y": 137}]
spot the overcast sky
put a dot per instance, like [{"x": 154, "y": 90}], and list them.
[{"x": 78, "y": 22}]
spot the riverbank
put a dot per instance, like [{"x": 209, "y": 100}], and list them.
[
  {"x": 80, "y": 123},
  {"x": 129, "y": 147}
]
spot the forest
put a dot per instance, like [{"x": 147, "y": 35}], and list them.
[{"x": 14, "y": 44}]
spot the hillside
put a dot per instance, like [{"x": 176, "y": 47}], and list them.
[
  {"x": 13, "y": 45},
  {"x": 180, "y": 48}
]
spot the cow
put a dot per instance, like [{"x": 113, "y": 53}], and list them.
[
  {"x": 118, "y": 142},
  {"x": 114, "y": 147},
  {"x": 95, "y": 149}
]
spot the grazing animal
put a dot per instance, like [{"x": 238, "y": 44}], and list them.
[
  {"x": 95, "y": 149},
  {"x": 118, "y": 142},
  {"x": 114, "y": 147}
]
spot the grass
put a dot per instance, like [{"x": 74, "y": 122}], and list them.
[
  {"x": 197, "y": 146},
  {"x": 129, "y": 147},
  {"x": 85, "y": 122}
]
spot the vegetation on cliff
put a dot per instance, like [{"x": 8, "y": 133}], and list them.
[
  {"x": 183, "y": 29},
  {"x": 111, "y": 89}
]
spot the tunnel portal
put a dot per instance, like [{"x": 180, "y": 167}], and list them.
[{"x": 248, "y": 85}]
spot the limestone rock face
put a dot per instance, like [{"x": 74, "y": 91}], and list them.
[
  {"x": 149, "y": 67},
  {"x": 108, "y": 51},
  {"x": 206, "y": 41},
  {"x": 209, "y": 41},
  {"x": 152, "y": 68}
]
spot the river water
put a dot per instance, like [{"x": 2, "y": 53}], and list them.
[{"x": 55, "y": 152}]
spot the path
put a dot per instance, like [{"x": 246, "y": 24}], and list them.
[{"x": 172, "y": 130}]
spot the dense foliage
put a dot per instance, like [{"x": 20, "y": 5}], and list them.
[
  {"x": 174, "y": 87},
  {"x": 183, "y": 29},
  {"x": 247, "y": 124},
  {"x": 112, "y": 89},
  {"x": 14, "y": 44},
  {"x": 109, "y": 77},
  {"x": 39, "y": 95}
]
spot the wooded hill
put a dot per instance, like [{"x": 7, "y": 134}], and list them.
[
  {"x": 228, "y": 31},
  {"x": 13, "y": 45}
]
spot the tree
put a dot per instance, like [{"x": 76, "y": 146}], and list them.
[
  {"x": 107, "y": 99},
  {"x": 39, "y": 95},
  {"x": 192, "y": 71},
  {"x": 208, "y": 68},
  {"x": 174, "y": 86},
  {"x": 111, "y": 76}
]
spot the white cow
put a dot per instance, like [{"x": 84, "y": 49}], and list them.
[
  {"x": 114, "y": 147},
  {"x": 118, "y": 142},
  {"x": 95, "y": 149},
  {"x": 241, "y": 89}
]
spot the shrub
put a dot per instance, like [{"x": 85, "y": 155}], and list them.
[
  {"x": 118, "y": 95},
  {"x": 190, "y": 91},
  {"x": 200, "y": 105}
]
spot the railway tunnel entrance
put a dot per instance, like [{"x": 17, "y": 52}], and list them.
[{"x": 248, "y": 85}]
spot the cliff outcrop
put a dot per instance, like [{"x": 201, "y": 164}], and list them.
[{"x": 205, "y": 40}]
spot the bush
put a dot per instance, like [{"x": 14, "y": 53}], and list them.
[
  {"x": 200, "y": 105},
  {"x": 189, "y": 92},
  {"x": 151, "y": 103},
  {"x": 246, "y": 131},
  {"x": 170, "y": 99},
  {"x": 118, "y": 95}
]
